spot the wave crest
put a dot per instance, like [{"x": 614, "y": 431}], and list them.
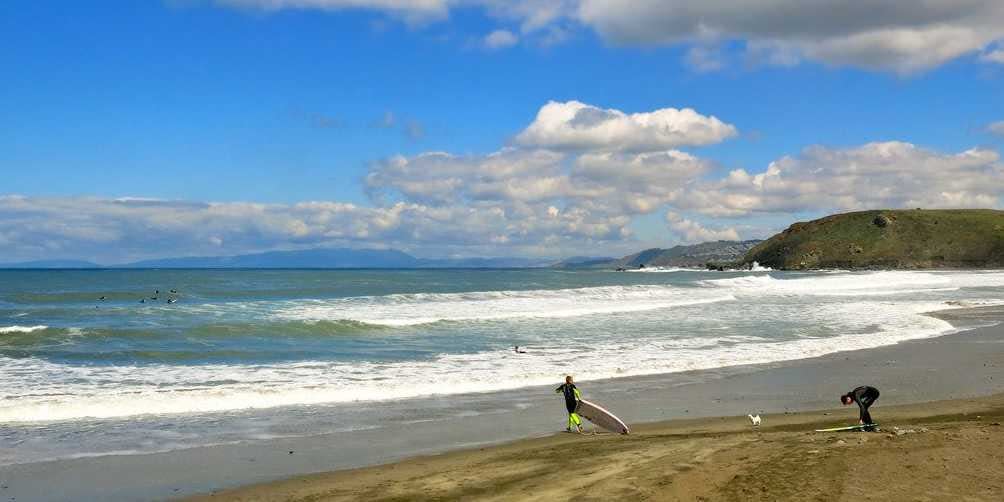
[
  {"x": 22, "y": 329},
  {"x": 427, "y": 308}
]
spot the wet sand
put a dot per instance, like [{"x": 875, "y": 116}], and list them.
[{"x": 946, "y": 450}]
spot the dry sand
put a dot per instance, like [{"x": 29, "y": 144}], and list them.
[{"x": 946, "y": 450}]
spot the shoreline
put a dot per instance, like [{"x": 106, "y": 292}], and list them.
[
  {"x": 385, "y": 480},
  {"x": 907, "y": 372}
]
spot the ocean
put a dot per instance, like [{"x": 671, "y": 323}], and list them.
[{"x": 99, "y": 362}]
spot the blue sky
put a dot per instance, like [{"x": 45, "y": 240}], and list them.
[{"x": 247, "y": 107}]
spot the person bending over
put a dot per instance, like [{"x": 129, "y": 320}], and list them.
[
  {"x": 864, "y": 396},
  {"x": 572, "y": 396}
]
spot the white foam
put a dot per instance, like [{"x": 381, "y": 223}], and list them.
[
  {"x": 771, "y": 319},
  {"x": 983, "y": 302},
  {"x": 974, "y": 279},
  {"x": 70, "y": 392},
  {"x": 425, "y": 308},
  {"x": 21, "y": 329},
  {"x": 843, "y": 284},
  {"x": 657, "y": 270}
]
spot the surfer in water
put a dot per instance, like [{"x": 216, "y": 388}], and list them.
[
  {"x": 519, "y": 350},
  {"x": 864, "y": 396},
  {"x": 572, "y": 396}
]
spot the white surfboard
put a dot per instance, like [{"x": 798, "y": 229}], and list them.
[{"x": 601, "y": 417}]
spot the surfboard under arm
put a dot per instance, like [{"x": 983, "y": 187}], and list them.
[{"x": 848, "y": 428}]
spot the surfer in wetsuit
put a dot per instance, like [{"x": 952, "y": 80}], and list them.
[
  {"x": 864, "y": 396},
  {"x": 572, "y": 396}
]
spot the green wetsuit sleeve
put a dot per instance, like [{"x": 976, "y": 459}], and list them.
[
  {"x": 578, "y": 395},
  {"x": 558, "y": 390}
]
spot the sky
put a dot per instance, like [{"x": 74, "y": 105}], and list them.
[{"x": 453, "y": 128}]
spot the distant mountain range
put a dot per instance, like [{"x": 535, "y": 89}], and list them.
[
  {"x": 584, "y": 262},
  {"x": 51, "y": 264},
  {"x": 311, "y": 258},
  {"x": 692, "y": 256},
  {"x": 697, "y": 256}
]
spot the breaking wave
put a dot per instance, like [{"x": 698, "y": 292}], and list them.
[
  {"x": 427, "y": 308},
  {"x": 613, "y": 331},
  {"x": 21, "y": 329},
  {"x": 71, "y": 391},
  {"x": 843, "y": 284}
]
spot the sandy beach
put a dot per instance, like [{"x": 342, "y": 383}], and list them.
[
  {"x": 945, "y": 450},
  {"x": 948, "y": 449}
]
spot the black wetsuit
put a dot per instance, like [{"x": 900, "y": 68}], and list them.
[
  {"x": 864, "y": 396},
  {"x": 571, "y": 400}
]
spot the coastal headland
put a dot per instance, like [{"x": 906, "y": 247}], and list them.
[{"x": 888, "y": 239}]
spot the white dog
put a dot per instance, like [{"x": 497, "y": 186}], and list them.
[{"x": 755, "y": 420}]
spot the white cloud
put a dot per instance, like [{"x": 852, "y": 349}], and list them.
[
  {"x": 441, "y": 178},
  {"x": 578, "y": 126},
  {"x": 878, "y": 34},
  {"x": 996, "y": 128},
  {"x": 533, "y": 14},
  {"x": 604, "y": 178},
  {"x": 566, "y": 190},
  {"x": 896, "y": 35},
  {"x": 993, "y": 53},
  {"x": 693, "y": 232},
  {"x": 875, "y": 175},
  {"x": 527, "y": 200},
  {"x": 652, "y": 171},
  {"x": 544, "y": 195},
  {"x": 113, "y": 231},
  {"x": 598, "y": 184},
  {"x": 705, "y": 59},
  {"x": 500, "y": 39},
  {"x": 634, "y": 183},
  {"x": 994, "y": 56}
]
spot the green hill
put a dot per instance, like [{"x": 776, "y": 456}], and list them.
[{"x": 916, "y": 238}]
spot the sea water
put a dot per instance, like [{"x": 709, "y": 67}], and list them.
[{"x": 252, "y": 355}]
